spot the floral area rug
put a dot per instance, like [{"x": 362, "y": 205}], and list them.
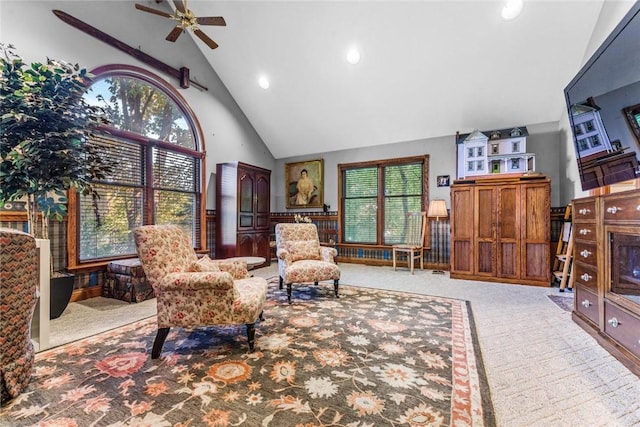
[{"x": 369, "y": 358}]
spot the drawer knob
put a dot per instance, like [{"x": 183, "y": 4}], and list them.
[
  {"x": 586, "y": 303},
  {"x": 613, "y": 322},
  {"x": 586, "y": 277},
  {"x": 585, "y": 231},
  {"x": 585, "y": 253},
  {"x": 613, "y": 209},
  {"x": 584, "y": 211}
]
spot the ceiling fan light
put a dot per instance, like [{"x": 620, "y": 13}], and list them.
[
  {"x": 263, "y": 82},
  {"x": 512, "y": 9},
  {"x": 353, "y": 56}
]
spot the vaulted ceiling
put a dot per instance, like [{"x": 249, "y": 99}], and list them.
[{"x": 427, "y": 68}]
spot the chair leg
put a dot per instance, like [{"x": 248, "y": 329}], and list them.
[
  {"x": 394, "y": 259},
  {"x": 335, "y": 287},
  {"x": 411, "y": 260},
  {"x": 159, "y": 342},
  {"x": 251, "y": 334},
  {"x": 280, "y": 282},
  {"x": 289, "y": 292}
]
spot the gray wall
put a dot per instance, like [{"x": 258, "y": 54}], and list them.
[{"x": 544, "y": 140}]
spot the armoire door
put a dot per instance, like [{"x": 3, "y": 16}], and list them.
[
  {"x": 536, "y": 232},
  {"x": 508, "y": 231},
  {"x": 485, "y": 231},
  {"x": 246, "y": 195},
  {"x": 262, "y": 202},
  {"x": 462, "y": 244}
]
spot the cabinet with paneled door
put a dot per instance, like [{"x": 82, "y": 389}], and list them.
[
  {"x": 500, "y": 230},
  {"x": 607, "y": 299},
  {"x": 243, "y": 197}
]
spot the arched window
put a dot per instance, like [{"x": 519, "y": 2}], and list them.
[{"x": 155, "y": 144}]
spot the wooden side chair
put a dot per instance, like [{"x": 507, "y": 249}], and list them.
[{"x": 413, "y": 245}]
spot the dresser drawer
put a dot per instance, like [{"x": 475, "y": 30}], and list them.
[
  {"x": 622, "y": 327},
  {"x": 586, "y": 275},
  {"x": 584, "y": 209},
  {"x": 586, "y": 303},
  {"x": 585, "y": 231},
  {"x": 585, "y": 252},
  {"x": 623, "y": 208}
]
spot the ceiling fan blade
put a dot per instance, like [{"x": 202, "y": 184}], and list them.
[
  {"x": 211, "y": 20},
  {"x": 175, "y": 33},
  {"x": 180, "y": 5},
  {"x": 205, "y": 39},
  {"x": 150, "y": 10}
]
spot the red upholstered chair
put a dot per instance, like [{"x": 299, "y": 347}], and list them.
[
  {"x": 18, "y": 298},
  {"x": 194, "y": 292},
  {"x": 301, "y": 259}
]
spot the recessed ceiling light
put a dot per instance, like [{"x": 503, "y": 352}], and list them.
[
  {"x": 511, "y": 9},
  {"x": 263, "y": 82},
  {"x": 353, "y": 56}
]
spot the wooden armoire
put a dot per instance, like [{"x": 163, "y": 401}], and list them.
[
  {"x": 243, "y": 200},
  {"x": 501, "y": 230}
]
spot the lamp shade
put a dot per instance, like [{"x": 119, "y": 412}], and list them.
[{"x": 437, "y": 209}]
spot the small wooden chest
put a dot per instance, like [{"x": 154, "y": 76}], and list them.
[{"x": 125, "y": 280}]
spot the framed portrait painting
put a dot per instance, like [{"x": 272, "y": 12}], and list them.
[{"x": 304, "y": 184}]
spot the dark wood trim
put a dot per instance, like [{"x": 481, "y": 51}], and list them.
[
  {"x": 136, "y": 53},
  {"x": 86, "y": 293}
]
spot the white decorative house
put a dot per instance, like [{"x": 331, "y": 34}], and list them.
[
  {"x": 591, "y": 135},
  {"x": 494, "y": 152}
]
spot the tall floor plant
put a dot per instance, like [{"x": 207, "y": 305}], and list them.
[{"x": 46, "y": 124}]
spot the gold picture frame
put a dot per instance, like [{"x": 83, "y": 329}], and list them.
[{"x": 304, "y": 184}]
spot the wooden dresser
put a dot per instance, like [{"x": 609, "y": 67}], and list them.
[
  {"x": 500, "y": 230},
  {"x": 607, "y": 272}
]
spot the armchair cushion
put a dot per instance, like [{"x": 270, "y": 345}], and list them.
[
  {"x": 237, "y": 268},
  {"x": 203, "y": 264},
  {"x": 297, "y": 250}
]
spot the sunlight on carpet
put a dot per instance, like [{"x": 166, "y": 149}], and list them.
[{"x": 369, "y": 358}]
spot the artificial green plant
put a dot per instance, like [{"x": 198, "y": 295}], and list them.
[{"x": 45, "y": 126}]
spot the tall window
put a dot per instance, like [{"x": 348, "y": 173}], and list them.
[
  {"x": 152, "y": 141},
  {"x": 377, "y": 196}
]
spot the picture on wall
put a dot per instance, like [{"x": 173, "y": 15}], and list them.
[
  {"x": 443, "y": 181},
  {"x": 304, "y": 185}
]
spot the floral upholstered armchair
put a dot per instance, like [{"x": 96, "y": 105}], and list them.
[
  {"x": 301, "y": 259},
  {"x": 194, "y": 292},
  {"x": 18, "y": 297}
]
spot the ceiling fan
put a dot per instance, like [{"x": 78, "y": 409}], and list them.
[{"x": 186, "y": 19}]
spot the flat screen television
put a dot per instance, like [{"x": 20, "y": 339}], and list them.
[{"x": 603, "y": 103}]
